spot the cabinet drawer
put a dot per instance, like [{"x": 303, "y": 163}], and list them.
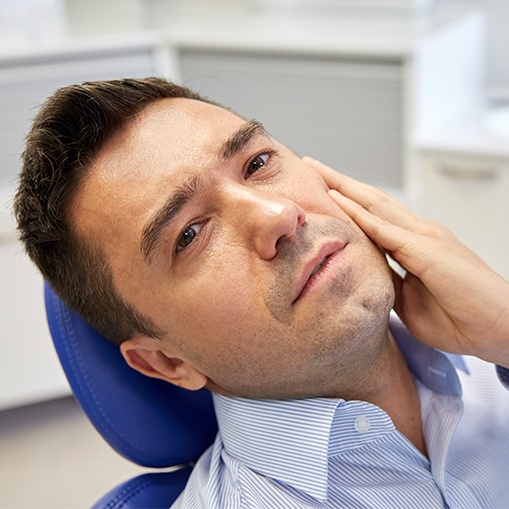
[
  {"x": 471, "y": 196},
  {"x": 29, "y": 368}
]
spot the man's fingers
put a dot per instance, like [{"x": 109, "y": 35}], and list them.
[
  {"x": 410, "y": 249},
  {"x": 385, "y": 234},
  {"x": 372, "y": 199}
]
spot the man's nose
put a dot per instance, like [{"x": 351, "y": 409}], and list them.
[{"x": 265, "y": 218}]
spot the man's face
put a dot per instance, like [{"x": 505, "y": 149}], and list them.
[{"x": 229, "y": 242}]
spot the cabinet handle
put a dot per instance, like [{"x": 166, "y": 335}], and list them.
[{"x": 466, "y": 173}]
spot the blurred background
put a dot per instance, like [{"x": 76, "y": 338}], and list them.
[{"x": 409, "y": 95}]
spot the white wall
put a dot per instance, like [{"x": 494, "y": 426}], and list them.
[{"x": 104, "y": 16}]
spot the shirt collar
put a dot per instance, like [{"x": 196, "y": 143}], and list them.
[
  {"x": 435, "y": 369},
  {"x": 288, "y": 440},
  {"x": 285, "y": 440}
]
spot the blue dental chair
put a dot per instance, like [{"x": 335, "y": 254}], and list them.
[{"x": 148, "y": 421}]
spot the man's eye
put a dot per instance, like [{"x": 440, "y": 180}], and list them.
[
  {"x": 187, "y": 236},
  {"x": 257, "y": 162}
]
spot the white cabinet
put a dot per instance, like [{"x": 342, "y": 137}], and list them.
[
  {"x": 29, "y": 369},
  {"x": 470, "y": 195}
]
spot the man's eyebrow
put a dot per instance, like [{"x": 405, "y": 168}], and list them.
[
  {"x": 166, "y": 214},
  {"x": 235, "y": 143},
  {"x": 177, "y": 201}
]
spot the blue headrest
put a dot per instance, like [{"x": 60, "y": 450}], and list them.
[{"x": 148, "y": 421}]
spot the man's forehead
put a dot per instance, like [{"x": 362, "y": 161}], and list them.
[
  {"x": 181, "y": 129},
  {"x": 183, "y": 114}
]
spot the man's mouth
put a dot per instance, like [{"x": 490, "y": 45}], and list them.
[{"x": 317, "y": 268}]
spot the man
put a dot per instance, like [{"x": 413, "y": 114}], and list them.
[{"x": 216, "y": 257}]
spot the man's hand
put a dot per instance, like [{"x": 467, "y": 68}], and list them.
[{"x": 449, "y": 298}]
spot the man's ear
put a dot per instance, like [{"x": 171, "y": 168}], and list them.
[{"x": 152, "y": 358}]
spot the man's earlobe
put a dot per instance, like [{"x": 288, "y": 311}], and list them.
[{"x": 151, "y": 358}]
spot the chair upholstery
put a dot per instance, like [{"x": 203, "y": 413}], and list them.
[
  {"x": 148, "y": 421},
  {"x": 154, "y": 491},
  {"x": 503, "y": 375}
]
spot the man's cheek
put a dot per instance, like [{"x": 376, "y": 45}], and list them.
[{"x": 319, "y": 201}]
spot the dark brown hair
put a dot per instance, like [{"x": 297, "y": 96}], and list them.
[{"x": 66, "y": 134}]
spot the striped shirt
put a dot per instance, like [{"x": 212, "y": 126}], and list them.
[{"x": 330, "y": 453}]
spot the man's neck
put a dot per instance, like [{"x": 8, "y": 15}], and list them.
[
  {"x": 400, "y": 400},
  {"x": 393, "y": 389},
  {"x": 390, "y": 385}
]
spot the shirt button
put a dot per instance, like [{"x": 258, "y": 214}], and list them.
[{"x": 362, "y": 424}]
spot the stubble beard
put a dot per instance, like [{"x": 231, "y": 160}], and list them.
[{"x": 347, "y": 354}]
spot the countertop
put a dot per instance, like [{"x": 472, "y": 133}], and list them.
[{"x": 481, "y": 133}]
